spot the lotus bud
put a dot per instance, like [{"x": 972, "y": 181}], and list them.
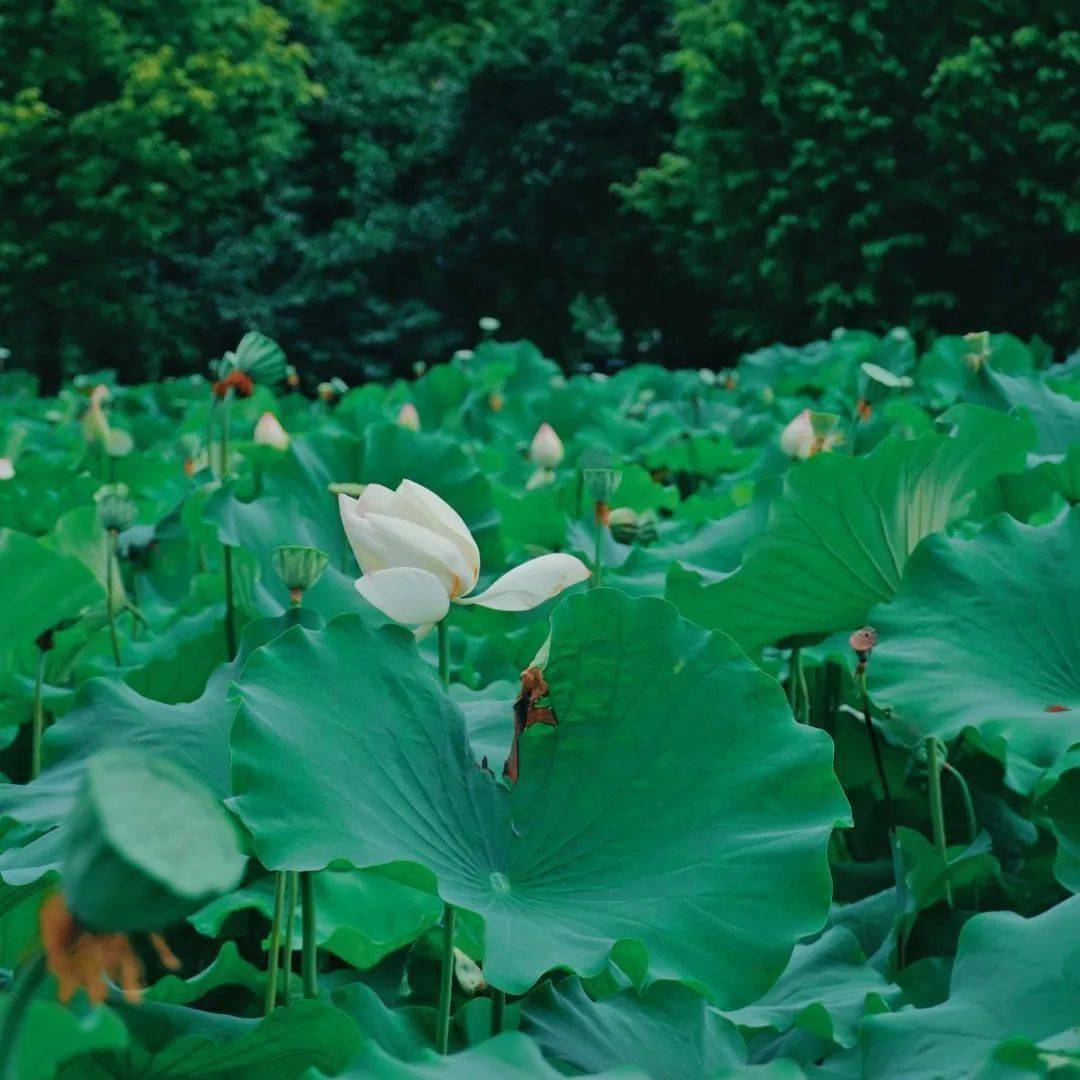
[
  {"x": 419, "y": 367},
  {"x": 978, "y": 349},
  {"x": 95, "y": 425},
  {"x": 299, "y": 567},
  {"x": 464, "y": 354},
  {"x": 115, "y": 510},
  {"x": 628, "y": 527},
  {"x": 546, "y": 449},
  {"x": 489, "y": 324},
  {"x": 408, "y": 417},
  {"x": 269, "y": 432},
  {"x": 708, "y": 377},
  {"x": 468, "y": 974},
  {"x": 7, "y": 469}
]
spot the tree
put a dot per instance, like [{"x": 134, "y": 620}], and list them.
[
  {"x": 874, "y": 164},
  {"x": 133, "y": 136}
]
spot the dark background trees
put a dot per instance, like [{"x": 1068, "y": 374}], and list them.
[{"x": 637, "y": 178}]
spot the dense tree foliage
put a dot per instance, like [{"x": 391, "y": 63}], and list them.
[
  {"x": 869, "y": 165},
  {"x": 665, "y": 179}
]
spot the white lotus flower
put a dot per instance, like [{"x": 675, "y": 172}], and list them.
[
  {"x": 801, "y": 440},
  {"x": 269, "y": 432},
  {"x": 408, "y": 417},
  {"x": 546, "y": 449},
  {"x": 417, "y": 556},
  {"x": 7, "y": 469}
]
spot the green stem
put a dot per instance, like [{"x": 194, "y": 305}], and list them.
[
  {"x": 287, "y": 942},
  {"x": 275, "y": 943},
  {"x": 969, "y": 804},
  {"x": 804, "y": 692},
  {"x": 307, "y": 963},
  {"x": 230, "y": 605},
  {"x": 225, "y": 401},
  {"x": 498, "y": 1010},
  {"x": 444, "y": 652},
  {"x": 598, "y": 557},
  {"x": 937, "y": 814},
  {"x": 39, "y": 718},
  {"x": 446, "y": 984},
  {"x": 110, "y": 558},
  {"x": 26, "y": 984},
  {"x": 875, "y": 746}
]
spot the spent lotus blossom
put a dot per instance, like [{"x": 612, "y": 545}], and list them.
[
  {"x": 809, "y": 434},
  {"x": 269, "y": 432},
  {"x": 408, "y": 417},
  {"x": 546, "y": 449},
  {"x": 417, "y": 556}
]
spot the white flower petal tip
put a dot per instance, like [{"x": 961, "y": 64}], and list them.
[
  {"x": 408, "y": 417},
  {"x": 406, "y": 594},
  {"x": 269, "y": 432},
  {"x": 531, "y": 584}
]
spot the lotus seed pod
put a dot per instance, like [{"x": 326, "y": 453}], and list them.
[
  {"x": 601, "y": 484},
  {"x": 115, "y": 510},
  {"x": 978, "y": 352},
  {"x": 299, "y": 567}
]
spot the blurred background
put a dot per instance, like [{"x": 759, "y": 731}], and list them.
[{"x": 664, "y": 180}]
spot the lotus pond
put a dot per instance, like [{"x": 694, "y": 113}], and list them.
[{"x": 507, "y": 723}]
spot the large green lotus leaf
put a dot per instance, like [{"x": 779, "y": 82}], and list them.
[
  {"x": 668, "y": 1031},
  {"x": 110, "y": 714},
  {"x": 510, "y": 1056},
  {"x": 1013, "y": 976},
  {"x": 42, "y": 588},
  {"x": 839, "y": 536},
  {"x": 361, "y": 916},
  {"x": 984, "y": 637},
  {"x": 1055, "y": 416},
  {"x": 1018, "y": 1057},
  {"x": 676, "y": 805},
  {"x": 826, "y": 989},
  {"x": 183, "y": 1044}
]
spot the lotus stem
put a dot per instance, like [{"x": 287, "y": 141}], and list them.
[
  {"x": 39, "y": 717},
  {"x": 230, "y": 606},
  {"x": 879, "y": 762},
  {"x": 965, "y": 792},
  {"x": 287, "y": 941},
  {"x": 446, "y": 984},
  {"x": 804, "y": 692},
  {"x": 444, "y": 652},
  {"x": 307, "y": 904},
  {"x": 498, "y": 1010},
  {"x": 969, "y": 810},
  {"x": 597, "y": 578},
  {"x": 275, "y": 942},
  {"x": 110, "y": 558},
  {"x": 26, "y": 984},
  {"x": 937, "y": 814}
]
